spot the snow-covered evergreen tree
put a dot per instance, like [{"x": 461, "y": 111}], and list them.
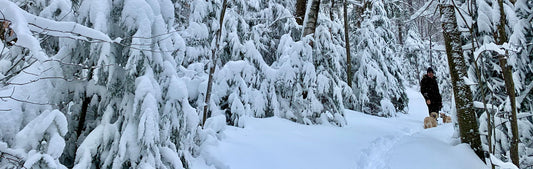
[
  {"x": 33, "y": 131},
  {"x": 488, "y": 70},
  {"x": 148, "y": 119},
  {"x": 245, "y": 83},
  {"x": 377, "y": 78},
  {"x": 130, "y": 76}
]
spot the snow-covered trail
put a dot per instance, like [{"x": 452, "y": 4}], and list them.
[{"x": 367, "y": 142}]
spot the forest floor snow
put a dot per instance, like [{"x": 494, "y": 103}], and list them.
[{"x": 367, "y": 142}]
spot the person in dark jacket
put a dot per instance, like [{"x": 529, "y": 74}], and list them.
[{"x": 430, "y": 90}]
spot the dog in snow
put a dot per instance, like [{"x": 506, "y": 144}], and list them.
[
  {"x": 430, "y": 121},
  {"x": 445, "y": 118}
]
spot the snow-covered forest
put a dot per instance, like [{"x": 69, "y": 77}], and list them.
[{"x": 152, "y": 83}]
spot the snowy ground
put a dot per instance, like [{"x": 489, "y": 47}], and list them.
[{"x": 367, "y": 142}]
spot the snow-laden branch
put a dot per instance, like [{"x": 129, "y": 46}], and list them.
[
  {"x": 60, "y": 28},
  {"x": 23, "y": 23},
  {"x": 423, "y": 11},
  {"x": 479, "y": 105},
  {"x": 469, "y": 81},
  {"x": 525, "y": 93},
  {"x": 497, "y": 162},
  {"x": 489, "y": 47},
  {"x": 15, "y": 15}
]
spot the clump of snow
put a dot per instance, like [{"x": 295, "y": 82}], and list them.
[
  {"x": 52, "y": 123},
  {"x": 216, "y": 123},
  {"x": 40, "y": 142},
  {"x": 502, "y": 165},
  {"x": 387, "y": 106}
]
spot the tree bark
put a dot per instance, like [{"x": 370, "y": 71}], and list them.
[
  {"x": 311, "y": 18},
  {"x": 509, "y": 85},
  {"x": 300, "y": 11},
  {"x": 83, "y": 115},
  {"x": 400, "y": 30},
  {"x": 331, "y": 11},
  {"x": 468, "y": 127},
  {"x": 347, "y": 39},
  {"x": 213, "y": 63}
]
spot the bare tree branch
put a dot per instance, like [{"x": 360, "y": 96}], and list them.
[
  {"x": 23, "y": 101},
  {"x": 13, "y": 159}
]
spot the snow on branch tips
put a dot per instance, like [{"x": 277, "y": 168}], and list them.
[
  {"x": 428, "y": 9},
  {"x": 16, "y": 16},
  {"x": 25, "y": 24},
  {"x": 489, "y": 47}
]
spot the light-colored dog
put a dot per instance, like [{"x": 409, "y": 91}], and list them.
[
  {"x": 430, "y": 121},
  {"x": 445, "y": 119}
]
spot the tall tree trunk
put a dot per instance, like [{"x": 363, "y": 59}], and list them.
[
  {"x": 301, "y": 6},
  {"x": 509, "y": 85},
  {"x": 474, "y": 32},
  {"x": 213, "y": 62},
  {"x": 83, "y": 115},
  {"x": 400, "y": 30},
  {"x": 502, "y": 35},
  {"x": 430, "y": 50},
  {"x": 347, "y": 39},
  {"x": 468, "y": 127},
  {"x": 311, "y": 18},
  {"x": 331, "y": 11}
]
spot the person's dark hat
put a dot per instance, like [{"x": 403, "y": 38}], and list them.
[{"x": 430, "y": 70}]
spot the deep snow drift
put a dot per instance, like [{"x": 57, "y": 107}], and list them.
[{"x": 367, "y": 142}]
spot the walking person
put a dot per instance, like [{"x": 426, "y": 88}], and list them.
[{"x": 430, "y": 90}]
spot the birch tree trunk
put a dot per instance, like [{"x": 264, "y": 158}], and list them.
[
  {"x": 311, "y": 18},
  {"x": 468, "y": 127}
]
